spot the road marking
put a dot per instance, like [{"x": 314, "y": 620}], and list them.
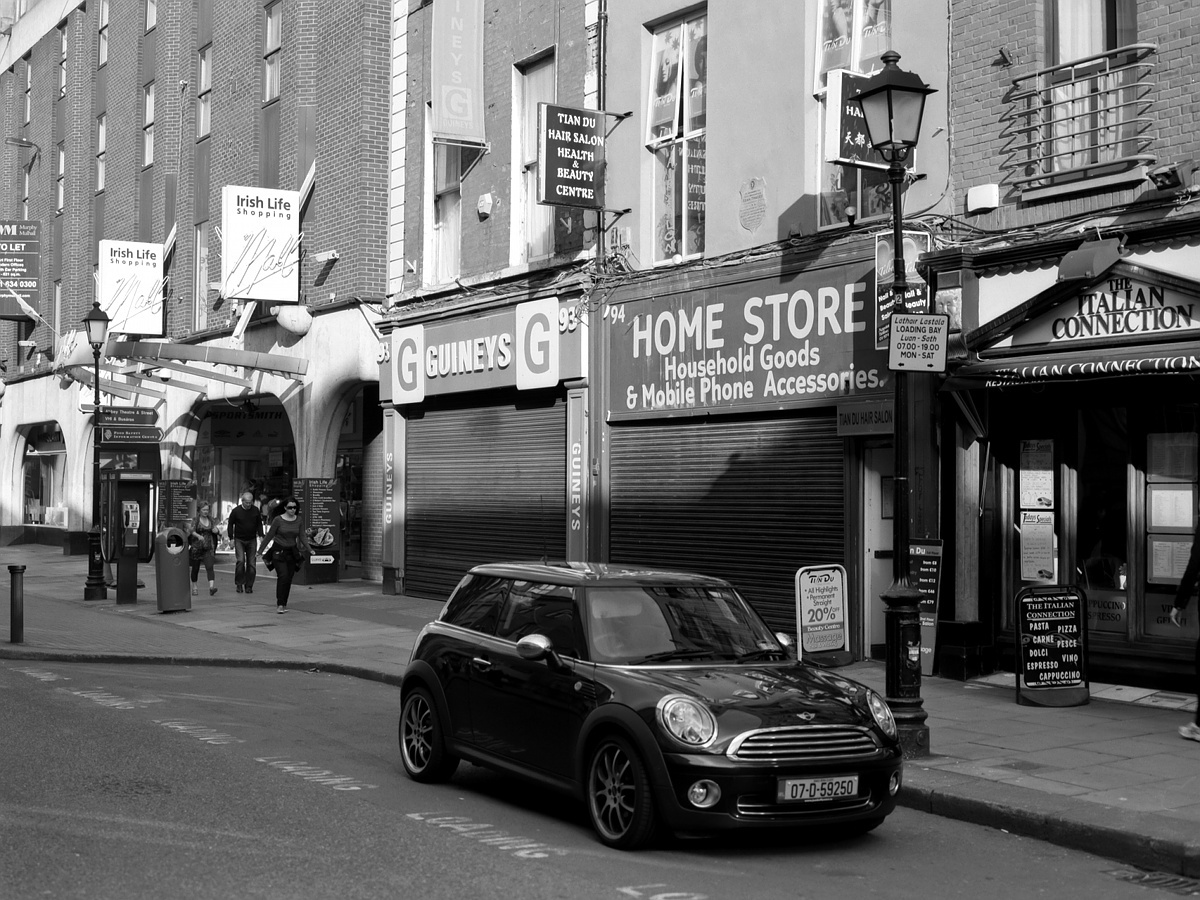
[
  {"x": 43, "y": 676},
  {"x": 520, "y": 847},
  {"x": 637, "y": 891},
  {"x": 112, "y": 701},
  {"x": 314, "y": 774},
  {"x": 199, "y": 732}
]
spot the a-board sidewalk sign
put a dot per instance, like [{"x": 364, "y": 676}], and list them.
[
  {"x": 1052, "y": 646},
  {"x": 822, "y": 625}
]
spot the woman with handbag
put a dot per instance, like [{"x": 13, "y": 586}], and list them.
[
  {"x": 289, "y": 544},
  {"x": 202, "y": 547}
]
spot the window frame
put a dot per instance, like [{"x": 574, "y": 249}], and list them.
[
  {"x": 60, "y": 173},
  {"x": 28, "y": 116},
  {"x": 102, "y": 35},
  {"x": 678, "y": 49},
  {"x": 204, "y": 92},
  {"x": 272, "y": 52},
  {"x": 529, "y": 215},
  {"x": 151, "y": 16},
  {"x": 64, "y": 46},
  {"x": 101, "y": 151},
  {"x": 201, "y": 242},
  {"x": 147, "y": 124}
]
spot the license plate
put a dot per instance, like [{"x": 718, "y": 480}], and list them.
[{"x": 808, "y": 790}]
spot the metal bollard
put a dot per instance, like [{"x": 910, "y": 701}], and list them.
[{"x": 17, "y": 605}]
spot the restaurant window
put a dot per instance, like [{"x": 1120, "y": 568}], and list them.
[
  {"x": 102, "y": 48},
  {"x": 204, "y": 92},
  {"x": 852, "y": 34},
  {"x": 272, "y": 52},
  {"x": 536, "y": 229},
  {"x": 676, "y": 133},
  {"x": 101, "y": 150},
  {"x": 148, "y": 125}
]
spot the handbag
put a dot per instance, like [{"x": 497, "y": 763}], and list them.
[{"x": 268, "y": 558}]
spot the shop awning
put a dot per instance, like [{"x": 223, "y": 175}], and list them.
[
  {"x": 1181, "y": 357},
  {"x": 161, "y": 353}
]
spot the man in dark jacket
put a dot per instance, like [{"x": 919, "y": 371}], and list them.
[{"x": 244, "y": 529}]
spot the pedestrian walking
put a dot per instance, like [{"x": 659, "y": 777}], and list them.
[
  {"x": 245, "y": 529},
  {"x": 1183, "y": 594},
  {"x": 289, "y": 544},
  {"x": 202, "y": 547}
]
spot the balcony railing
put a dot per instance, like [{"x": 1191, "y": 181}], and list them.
[{"x": 1080, "y": 120}]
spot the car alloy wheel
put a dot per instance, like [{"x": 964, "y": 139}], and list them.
[
  {"x": 618, "y": 794},
  {"x": 425, "y": 757}
]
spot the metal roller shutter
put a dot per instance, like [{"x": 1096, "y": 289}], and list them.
[
  {"x": 749, "y": 501},
  {"x": 483, "y": 484}
]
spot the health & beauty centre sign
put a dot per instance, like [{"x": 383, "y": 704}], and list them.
[{"x": 800, "y": 340}]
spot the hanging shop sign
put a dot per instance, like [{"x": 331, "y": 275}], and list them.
[
  {"x": 20, "y": 278},
  {"x": 129, "y": 286},
  {"x": 532, "y": 345},
  {"x": 260, "y": 251},
  {"x": 916, "y": 292},
  {"x": 570, "y": 156},
  {"x": 1052, "y": 646},
  {"x": 456, "y": 72},
  {"x": 800, "y": 340}
]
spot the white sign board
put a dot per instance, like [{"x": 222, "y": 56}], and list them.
[
  {"x": 260, "y": 244},
  {"x": 821, "y": 609},
  {"x": 129, "y": 286},
  {"x": 918, "y": 342}
]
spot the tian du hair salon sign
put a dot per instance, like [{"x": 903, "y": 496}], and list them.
[
  {"x": 571, "y": 157},
  {"x": 130, "y": 286},
  {"x": 260, "y": 244}
]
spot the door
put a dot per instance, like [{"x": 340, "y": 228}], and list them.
[{"x": 877, "y": 544}]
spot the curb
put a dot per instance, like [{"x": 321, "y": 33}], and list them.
[{"x": 1146, "y": 840}]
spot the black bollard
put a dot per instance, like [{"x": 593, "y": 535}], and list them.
[{"x": 16, "y": 600}]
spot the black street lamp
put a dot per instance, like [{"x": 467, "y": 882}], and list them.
[
  {"x": 893, "y": 102},
  {"x": 95, "y": 325}
]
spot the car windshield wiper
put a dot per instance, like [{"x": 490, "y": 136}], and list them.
[
  {"x": 666, "y": 655},
  {"x": 764, "y": 653}
]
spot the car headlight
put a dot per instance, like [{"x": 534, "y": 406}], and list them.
[
  {"x": 687, "y": 721},
  {"x": 882, "y": 713}
]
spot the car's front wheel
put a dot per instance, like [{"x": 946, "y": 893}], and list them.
[
  {"x": 619, "y": 798},
  {"x": 422, "y": 745}
]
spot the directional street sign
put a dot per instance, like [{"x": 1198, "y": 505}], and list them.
[
  {"x": 130, "y": 434},
  {"x": 128, "y": 415}
]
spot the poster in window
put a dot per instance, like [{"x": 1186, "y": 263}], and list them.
[
  {"x": 837, "y": 34},
  {"x": 697, "y": 73},
  {"x": 1171, "y": 508},
  {"x": 875, "y": 31},
  {"x": 1037, "y": 474},
  {"x": 664, "y": 87},
  {"x": 697, "y": 165},
  {"x": 1171, "y": 456},
  {"x": 1166, "y": 557},
  {"x": 1037, "y": 546}
]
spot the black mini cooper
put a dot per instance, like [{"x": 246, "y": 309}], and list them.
[{"x": 656, "y": 697}]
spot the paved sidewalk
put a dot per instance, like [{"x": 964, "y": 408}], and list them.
[{"x": 1112, "y": 777}]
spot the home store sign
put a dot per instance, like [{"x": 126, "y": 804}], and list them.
[
  {"x": 777, "y": 343},
  {"x": 532, "y": 345}
]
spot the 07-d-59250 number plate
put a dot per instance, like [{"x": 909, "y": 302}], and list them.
[{"x": 817, "y": 789}]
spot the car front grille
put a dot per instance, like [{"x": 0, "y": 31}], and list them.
[
  {"x": 750, "y": 806},
  {"x": 803, "y": 743}
]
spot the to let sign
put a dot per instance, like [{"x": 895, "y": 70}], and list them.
[
  {"x": 570, "y": 157},
  {"x": 20, "y": 245}
]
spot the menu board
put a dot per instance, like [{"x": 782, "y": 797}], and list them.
[
  {"x": 925, "y": 574},
  {"x": 1052, "y": 646},
  {"x": 175, "y": 497},
  {"x": 319, "y": 508}
]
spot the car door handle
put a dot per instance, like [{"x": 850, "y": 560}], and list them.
[{"x": 481, "y": 663}]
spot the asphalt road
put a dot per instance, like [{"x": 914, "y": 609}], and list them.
[{"x": 126, "y": 782}]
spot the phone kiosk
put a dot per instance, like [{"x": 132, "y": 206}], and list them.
[{"x": 129, "y": 507}]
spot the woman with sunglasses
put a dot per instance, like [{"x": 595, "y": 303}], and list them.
[{"x": 289, "y": 542}]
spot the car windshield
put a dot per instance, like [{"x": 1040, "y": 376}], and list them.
[{"x": 666, "y": 624}]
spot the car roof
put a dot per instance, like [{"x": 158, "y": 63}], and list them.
[{"x": 595, "y": 574}]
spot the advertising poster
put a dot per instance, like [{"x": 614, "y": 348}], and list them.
[
  {"x": 821, "y": 608},
  {"x": 129, "y": 287},
  {"x": 260, "y": 251},
  {"x": 1037, "y": 475},
  {"x": 925, "y": 574},
  {"x": 776, "y": 343},
  {"x": 20, "y": 267},
  {"x": 1037, "y": 546}
]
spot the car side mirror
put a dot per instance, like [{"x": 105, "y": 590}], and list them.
[
  {"x": 537, "y": 646},
  {"x": 787, "y": 642}
]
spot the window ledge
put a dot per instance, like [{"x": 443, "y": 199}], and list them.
[{"x": 1085, "y": 185}]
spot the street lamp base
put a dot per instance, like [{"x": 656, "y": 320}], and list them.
[
  {"x": 94, "y": 591},
  {"x": 910, "y": 719}
]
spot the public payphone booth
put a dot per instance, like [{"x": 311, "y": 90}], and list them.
[{"x": 128, "y": 510}]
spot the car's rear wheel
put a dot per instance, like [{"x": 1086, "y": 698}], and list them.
[
  {"x": 620, "y": 802},
  {"x": 422, "y": 744}
]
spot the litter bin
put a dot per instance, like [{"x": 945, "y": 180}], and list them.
[{"x": 171, "y": 571}]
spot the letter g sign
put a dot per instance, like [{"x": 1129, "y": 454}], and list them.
[
  {"x": 537, "y": 344},
  {"x": 408, "y": 376}
]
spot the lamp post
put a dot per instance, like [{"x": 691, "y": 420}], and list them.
[
  {"x": 95, "y": 325},
  {"x": 893, "y": 102}
]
